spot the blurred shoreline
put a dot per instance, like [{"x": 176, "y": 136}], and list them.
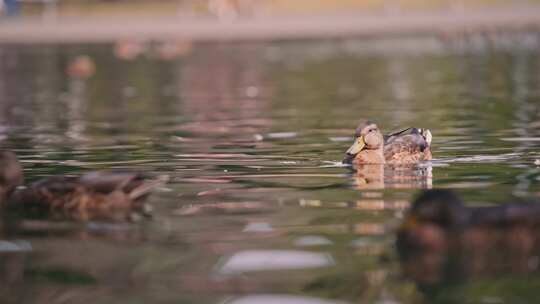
[{"x": 110, "y": 28}]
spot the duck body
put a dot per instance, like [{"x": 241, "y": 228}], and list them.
[
  {"x": 441, "y": 239},
  {"x": 367, "y": 157},
  {"x": 411, "y": 146},
  {"x": 444, "y": 209},
  {"x": 407, "y": 146},
  {"x": 96, "y": 194}
]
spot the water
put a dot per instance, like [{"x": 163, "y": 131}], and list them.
[{"x": 259, "y": 208}]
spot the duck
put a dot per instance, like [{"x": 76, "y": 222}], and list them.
[
  {"x": 441, "y": 238},
  {"x": 92, "y": 195},
  {"x": 404, "y": 147},
  {"x": 444, "y": 209}
]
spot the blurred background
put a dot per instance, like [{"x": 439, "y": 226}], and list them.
[
  {"x": 249, "y": 107},
  {"x": 230, "y": 9},
  {"x": 103, "y": 21}
]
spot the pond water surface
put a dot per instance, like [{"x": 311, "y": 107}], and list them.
[{"x": 258, "y": 208}]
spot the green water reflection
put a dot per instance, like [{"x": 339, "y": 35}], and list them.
[{"x": 252, "y": 136}]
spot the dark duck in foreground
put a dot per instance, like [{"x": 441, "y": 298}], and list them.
[
  {"x": 96, "y": 194},
  {"x": 442, "y": 240},
  {"x": 442, "y": 213},
  {"x": 370, "y": 146}
]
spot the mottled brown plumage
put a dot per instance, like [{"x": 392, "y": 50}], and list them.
[
  {"x": 97, "y": 194},
  {"x": 407, "y": 146}
]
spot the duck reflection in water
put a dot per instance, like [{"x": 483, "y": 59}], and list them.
[
  {"x": 442, "y": 241},
  {"x": 380, "y": 176}
]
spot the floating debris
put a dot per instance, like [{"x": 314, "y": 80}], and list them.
[
  {"x": 81, "y": 67},
  {"x": 312, "y": 240},
  {"x": 276, "y": 135},
  {"x": 310, "y": 203},
  {"x": 15, "y": 246},
  {"x": 258, "y": 227},
  {"x": 484, "y": 158},
  {"x": 99, "y": 226},
  {"x": 340, "y": 138},
  {"x": 281, "y": 135},
  {"x": 288, "y": 162},
  {"x": 521, "y": 139},
  {"x": 129, "y": 92},
  {"x": 278, "y": 299},
  {"x": 252, "y": 91},
  {"x": 223, "y": 208},
  {"x": 333, "y": 164},
  {"x": 258, "y": 260}
]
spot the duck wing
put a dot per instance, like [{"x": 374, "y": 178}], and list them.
[
  {"x": 388, "y": 138},
  {"x": 48, "y": 192},
  {"x": 407, "y": 147},
  {"x": 95, "y": 182},
  {"x": 134, "y": 184},
  {"x": 93, "y": 194}
]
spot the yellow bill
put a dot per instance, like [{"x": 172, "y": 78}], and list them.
[{"x": 357, "y": 146}]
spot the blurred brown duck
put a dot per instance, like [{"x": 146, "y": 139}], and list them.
[
  {"x": 441, "y": 239},
  {"x": 407, "y": 146},
  {"x": 443, "y": 210},
  {"x": 96, "y": 194}
]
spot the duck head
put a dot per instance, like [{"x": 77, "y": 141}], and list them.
[
  {"x": 366, "y": 137},
  {"x": 11, "y": 174},
  {"x": 429, "y": 227},
  {"x": 439, "y": 207}
]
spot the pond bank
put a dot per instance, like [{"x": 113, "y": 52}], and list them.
[{"x": 109, "y": 29}]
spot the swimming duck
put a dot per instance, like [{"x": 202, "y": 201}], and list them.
[
  {"x": 438, "y": 219},
  {"x": 441, "y": 239},
  {"x": 406, "y": 146},
  {"x": 444, "y": 209},
  {"x": 96, "y": 194}
]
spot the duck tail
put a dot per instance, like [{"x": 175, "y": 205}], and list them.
[
  {"x": 428, "y": 136},
  {"x": 147, "y": 186}
]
